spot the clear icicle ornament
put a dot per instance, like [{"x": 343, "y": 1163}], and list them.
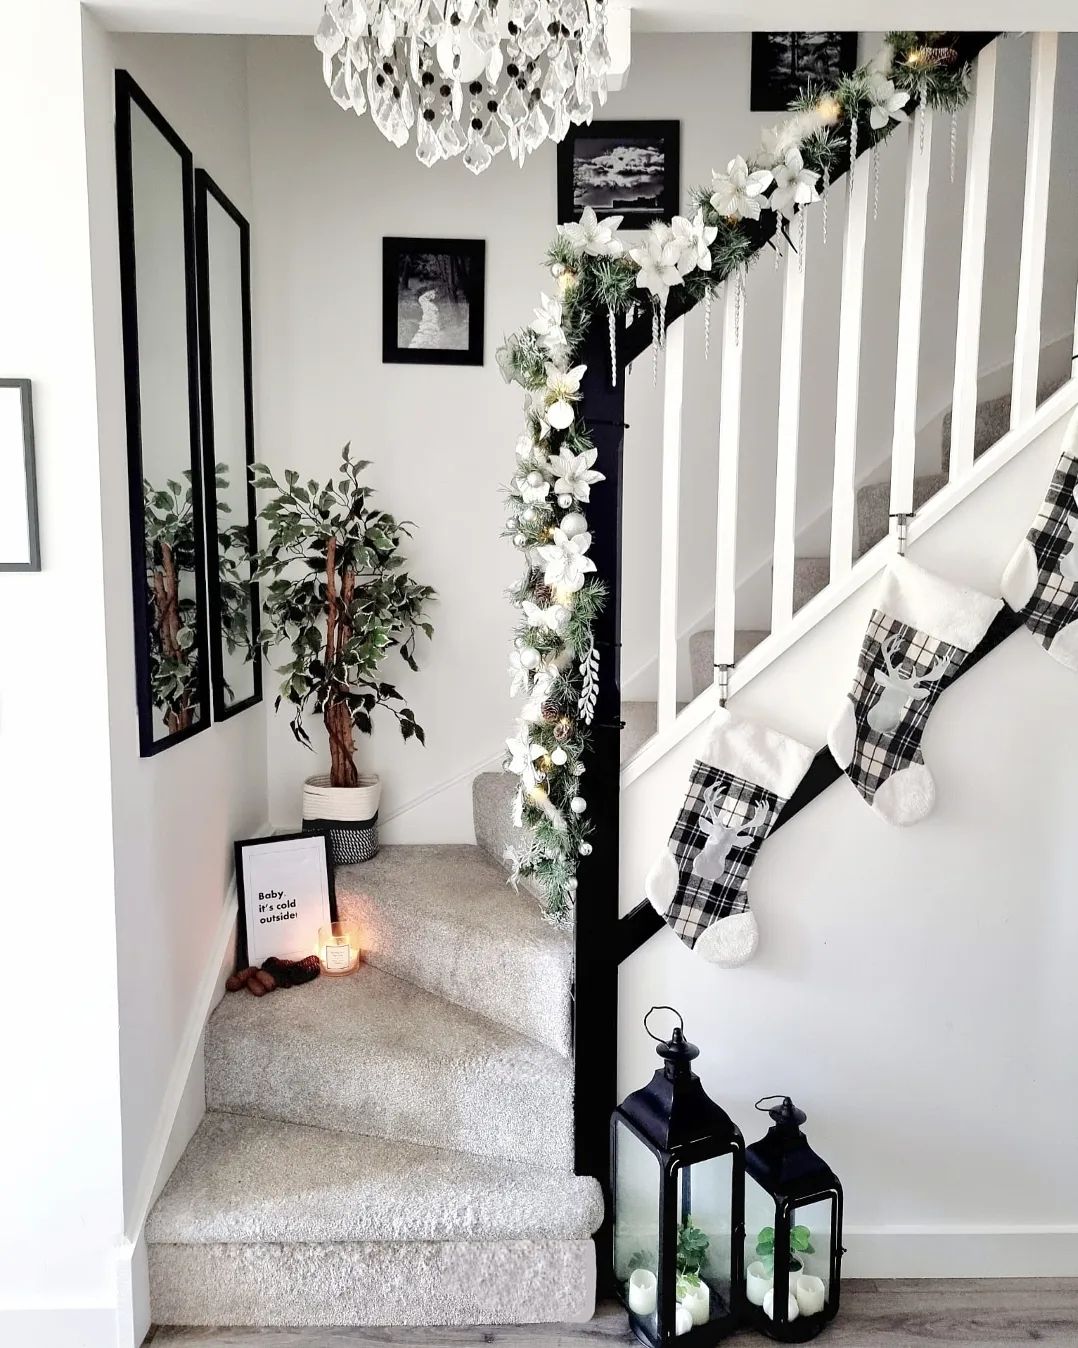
[
  {"x": 823, "y": 195},
  {"x": 654, "y": 344},
  {"x": 612, "y": 333},
  {"x": 853, "y": 147},
  {"x": 921, "y": 120},
  {"x": 875, "y": 182},
  {"x": 954, "y": 140},
  {"x": 707, "y": 323},
  {"x": 739, "y": 300},
  {"x": 802, "y": 227}
]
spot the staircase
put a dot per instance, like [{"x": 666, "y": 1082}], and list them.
[{"x": 394, "y": 1147}]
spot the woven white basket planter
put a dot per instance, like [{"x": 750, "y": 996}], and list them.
[{"x": 348, "y": 813}]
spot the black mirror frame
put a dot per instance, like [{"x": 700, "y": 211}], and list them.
[
  {"x": 128, "y": 93},
  {"x": 205, "y": 187}
]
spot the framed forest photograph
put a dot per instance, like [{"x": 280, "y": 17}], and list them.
[
  {"x": 627, "y": 168},
  {"x": 783, "y": 63},
  {"x": 433, "y": 294}
]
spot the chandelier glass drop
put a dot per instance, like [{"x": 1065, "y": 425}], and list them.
[{"x": 469, "y": 77}]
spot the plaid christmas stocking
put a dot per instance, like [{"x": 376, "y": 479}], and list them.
[
  {"x": 921, "y": 632},
  {"x": 1041, "y": 579},
  {"x": 737, "y": 788}
]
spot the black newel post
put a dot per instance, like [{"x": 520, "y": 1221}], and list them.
[{"x": 595, "y": 1017}]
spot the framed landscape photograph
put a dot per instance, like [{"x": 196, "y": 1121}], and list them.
[
  {"x": 433, "y": 294},
  {"x": 19, "y": 549},
  {"x": 285, "y": 889},
  {"x": 783, "y": 63},
  {"x": 631, "y": 169}
]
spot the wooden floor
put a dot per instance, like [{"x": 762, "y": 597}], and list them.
[{"x": 987, "y": 1312}]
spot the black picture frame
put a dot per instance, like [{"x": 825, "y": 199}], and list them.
[
  {"x": 205, "y": 188},
  {"x": 129, "y": 95},
  {"x": 784, "y": 63},
  {"x": 319, "y": 841},
  {"x": 602, "y": 138},
  {"x": 470, "y": 254},
  {"x": 32, "y": 561}
]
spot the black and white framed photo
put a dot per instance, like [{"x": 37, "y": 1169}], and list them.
[
  {"x": 285, "y": 890},
  {"x": 784, "y": 63},
  {"x": 433, "y": 295},
  {"x": 632, "y": 169},
  {"x": 19, "y": 548}
]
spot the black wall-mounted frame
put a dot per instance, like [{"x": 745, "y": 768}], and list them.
[
  {"x": 33, "y": 543},
  {"x": 666, "y": 133},
  {"x": 206, "y": 188},
  {"x": 472, "y": 252},
  {"x": 128, "y": 96}
]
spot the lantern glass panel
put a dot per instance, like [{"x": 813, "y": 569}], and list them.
[
  {"x": 705, "y": 1199},
  {"x": 759, "y": 1219},
  {"x": 817, "y": 1219},
  {"x": 636, "y": 1226}
]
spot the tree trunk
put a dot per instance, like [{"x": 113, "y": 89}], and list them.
[{"x": 342, "y": 745}]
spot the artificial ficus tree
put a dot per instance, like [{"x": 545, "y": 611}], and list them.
[
  {"x": 170, "y": 557},
  {"x": 337, "y": 594}
]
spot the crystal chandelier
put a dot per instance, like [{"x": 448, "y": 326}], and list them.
[{"x": 468, "y": 76}]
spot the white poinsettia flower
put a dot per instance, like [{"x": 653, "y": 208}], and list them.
[
  {"x": 522, "y": 756},
  {"x": 518, "y": 681},
  {"x": 565, "y": 561},
  {"x": 774, "y": 143},
  {"x": 552, "y": 619},
  {"x": 532, "y": 495},
  {"x": 795, "y": 185},
  {"x": 657, "y": 259},
  {"x": 597, "y": 238},
  {"x": 888, "y": 103},
  {"x": 576, "y": 475},
  {"x": 737, "y": 192},
  {"x": 518, "y": 809},
  {"x": 562, "y": 387},
  {"x": 547, "y": 326},
  {"x": 694, "y": 239}
]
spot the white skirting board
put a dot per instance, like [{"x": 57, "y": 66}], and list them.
[
  {"x": 61, "y": 1327},
  {"x": 960, "y": 1252}
]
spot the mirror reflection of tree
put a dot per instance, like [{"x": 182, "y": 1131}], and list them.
[
  {"x": 170, "y": 560},
  {"x": 234, "y": 554}
]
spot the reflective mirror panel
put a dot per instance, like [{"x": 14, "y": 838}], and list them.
[
  {"x": 157, "y": 277},
  {"x": 705, "y": 1251},
  {"x": 224, "y": 313},
  {"x": 636, "y": 1227}
]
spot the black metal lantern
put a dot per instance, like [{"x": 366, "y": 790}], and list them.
[
  {"x": 679, "y": 1194},
  {"x": 793, "y": 1224}
]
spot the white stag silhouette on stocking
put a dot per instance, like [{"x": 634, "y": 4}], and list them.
[
  {"x": 900, "y": 688},
  {"x": 710, "y": 862},
  {"x": 1068, "y": 560}
]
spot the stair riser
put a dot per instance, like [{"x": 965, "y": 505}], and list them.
[
  {"x": 492, "y": 803},
  {"x": 385, "y": 1283}
]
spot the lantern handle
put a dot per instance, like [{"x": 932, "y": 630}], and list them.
[
  {"x": 764, "y": 1106},
  {"x": 673, "y": 1011}
]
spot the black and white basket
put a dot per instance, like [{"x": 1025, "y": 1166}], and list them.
[{"x": 349, "y": 814}]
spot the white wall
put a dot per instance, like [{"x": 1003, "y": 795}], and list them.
[
  {"x": 60, "y": 1173},
  {"x": 178, "y": 813},
  {"x": 914, "y": 987}
]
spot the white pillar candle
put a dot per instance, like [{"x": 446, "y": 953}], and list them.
[
  {"x": 757, "y": 1282},
  {"x": 643, "y": 1289},
  {"x": 810, "y": 1294},
  {"x": 697, "y": 1301},
  {"x": 683, "y": 1321},
  {"x": 792, "y": 1311}
]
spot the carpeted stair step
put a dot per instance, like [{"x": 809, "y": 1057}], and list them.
[
  {"x": 443, "y": 917},
  {"x": 702, "y": 654},
  {"x": 492, "y": 815},
  {"x": 874, "y": 507},
  {"x": 811, "y": 575},
  {"x": 993, "y": 419},
  {"x": 266, "y": 1223},
  {"x": 373, "y": 1054}
]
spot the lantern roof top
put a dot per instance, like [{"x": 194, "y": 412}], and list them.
[{"x": 782, "y": 1162}]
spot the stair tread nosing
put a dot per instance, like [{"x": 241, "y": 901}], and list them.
[
  {"x": 259, "y": 1181},
  {"x": 444, "y": 918},
  {"x": 373, "y": 1054}
]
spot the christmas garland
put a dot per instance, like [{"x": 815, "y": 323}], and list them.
[{"x": 554, "y": 662}]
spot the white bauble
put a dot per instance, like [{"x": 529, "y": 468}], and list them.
[
  {"x": 574, "y": 523},
  {"x": 584, "y": 849},
  {"x": 578, "y": 805},
  {"x": 565, "y": 500},
  {"x": 534, "y": 478},
  {"x": 559, "y": 757},
  {"x": 529, "y": 515},
  {"x": 519, "y": 541},
  {"x": 530, "y": 657}
]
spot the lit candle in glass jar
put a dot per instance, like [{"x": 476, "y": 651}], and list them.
[{"x": 338, "y": 948}]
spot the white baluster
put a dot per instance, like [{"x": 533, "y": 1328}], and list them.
[
  {"x": 843, "y": 502},
  {"x": 789, "y": 424},
  {"x": 903, "y": 444},
  {"x": 971, "y": 270},
  {"x": 1027, "y": 337},
  {"x": 673, "y": 392},
  {"x": 729, "y": 449}
]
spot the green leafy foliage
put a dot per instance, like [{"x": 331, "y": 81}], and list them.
[
  {"x": 692, "y": 1247},
  {"x": 800, "y": 1243}
]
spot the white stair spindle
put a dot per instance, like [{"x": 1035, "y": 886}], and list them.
[
  {"x": 971, "y": 269},
  {"x": 789, "y": 418},
  {"x": 1027, "y": 337},
  {"x": 844, "y": 495},
  {"x": 673, "y": 391},
  {"x": 733, "y": 336},
  {"x": 915, "y": 218}
]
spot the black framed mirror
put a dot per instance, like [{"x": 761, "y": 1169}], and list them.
[
  {"x": 223, "y": 254},
  {"x": 155, "y": 197}
]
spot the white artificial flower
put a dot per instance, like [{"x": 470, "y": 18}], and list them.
[
  {"x": 593, "y": 236},
  {"x": 565, "y": 561},
  {"x": 553, "y": 618},
  {"x": 576, "y": 476},
  {"x": 737, "y": 191},
  {"x": 526, "y": 447},
  {"x": 518, "y": 809},
  {"x": 888, "y": 103},
  {"x": 532, "y": 495},
  {"x": 795, "y": 185},
  {"x": 657, "y": 259},
  {"x": 556, "y": 398},
  {"x": 694, "y": 239},
  {"x": 774, "y": 143},
  {"x": 522, "y": 759},
  {"x": 547, "y": 327},
  {"x": 518, "y": 682}
]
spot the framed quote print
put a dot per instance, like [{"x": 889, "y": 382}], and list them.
[{"x": 285, "y": 889}]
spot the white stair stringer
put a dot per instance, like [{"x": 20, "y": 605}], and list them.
[{"x": 1047, "y": 416}]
